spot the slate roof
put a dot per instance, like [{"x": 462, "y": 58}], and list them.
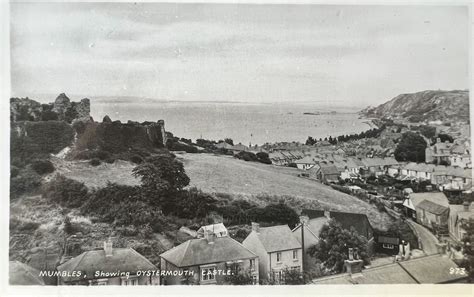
[
  {"x": 406, "y": 272},
  {"x": 432, "y": 207},
  {"x": 435, "y": 197},
  {"x": 329, "y": 169},
  {"x": 224, "y": 145},
  {"x": 277, "y": 238},
  {"x": 198, "y": 252},
  {"x": 218, "y": 229},
  {"x": 122, "y": 259},
  {"x": 359, "y": 221},
  {"x": 459, "y": 212},
  {"x": 313, "y": 226},
  {"x": 21, "y": 274},
  {"x": 438, "y": 267},
  {"x": 305, "y": 160}
]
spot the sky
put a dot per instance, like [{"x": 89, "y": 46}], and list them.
[{"x": 354, "y": 55}]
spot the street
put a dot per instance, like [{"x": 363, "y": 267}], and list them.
[{"x": 428, "y": 240}]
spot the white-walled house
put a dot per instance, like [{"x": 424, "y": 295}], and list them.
[{"x": 277, "y": 249}]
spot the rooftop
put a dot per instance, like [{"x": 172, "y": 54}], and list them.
[
  {"x": 277, "y": 238},
  {"x": 432, "y": 207},
  {"x": 24, "y": 275},
  {"x": 199, "y": 251},
  {"x": 122, "y": 259},
  {"x": 406, "y": 272}
]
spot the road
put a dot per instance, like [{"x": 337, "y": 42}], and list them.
[{"x": 428, "y": 240}]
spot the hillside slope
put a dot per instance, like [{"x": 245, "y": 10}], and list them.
[
  {"x": 446, "y": 106},
  {"x": 224, "y": 174}
]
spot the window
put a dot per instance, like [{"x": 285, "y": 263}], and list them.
[
  {"x": 254, "y": 280},
  {"x": 278, "y": 257},
  {"x": 252, "y": 264},
  {"x": 295, "y": 254},
  {"x": 132, "y": 281},
  {"x": 388, "y": 246},
  {"x": 208, "y": 274}
]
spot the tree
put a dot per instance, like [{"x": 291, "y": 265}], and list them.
[
  {"x": 332, "y": 248},
  {"x": 239, "y": 277},
  {"x": 293, "y": 277},
  {"x": 163, "y": 177},
  {"x": 445, "y": 137},
  {"x": 281, "y": 214},
  {"x": 411, "y": 148},
  {"x": 468, "y": 242},
  {"x": 229, "y": 141}
]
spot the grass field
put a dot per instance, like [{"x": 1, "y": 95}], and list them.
[{"x": 225, "y": 174}]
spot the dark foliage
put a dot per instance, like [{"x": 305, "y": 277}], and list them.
[
  {"x": 246, "y": 156},
  {"x": 192, "y": 203},
  {"x": 411, "y": 148},
  {"x": 95, "y": 162},
  {"x": 263, "y": 158},
  {"x": 23, "y": 225},
  {"x": 42, "y": 166},
  {"x": 36, "y": 140},
  {"x": 335, "y": 241},
  {"x": 66, "y": 192},
  {"x": 136, "y": 159},
  {"x": 26, "y": 181}
]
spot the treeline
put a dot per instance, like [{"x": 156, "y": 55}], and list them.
[{"x": 372, "y": 133}]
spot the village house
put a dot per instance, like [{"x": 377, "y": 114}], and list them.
[
  {"x": 219, "y": 230},
  {"x": 305, "y": 163},
  {"x": 348, "y": 220},
  {"x": 452, "y": 178},
  {"x": 433, "y": 269},
  {"x": 430, "y": 209},
  {"x": 278, "y": 250},
  {"x": 458, "y": 215},
  {"x": 21, "y": 274},
  {"x": 446, "y": 153},
  {"x": 239, "y": 148},
  {"x": 208, "y": 260},
  {"x": 312, "y": 229},
  {"x": 108, "y": 266},
  {"x": 224, "y": 145},
  {"x": 327, "y": 173}
]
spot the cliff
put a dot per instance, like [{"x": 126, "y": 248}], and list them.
[{"x": 444, "y": 106}]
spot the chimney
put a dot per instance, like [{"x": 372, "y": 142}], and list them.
[
  {"x": 108, "y": 248},
  {"x": 442, "y": 248},
  {"x": 304, "y": 219},
  {"x": 327, "y": 214},
  {"x": 256, "y": 227},
  {"x": 466, "y": 205},
  {"x": 353, "y": 264},
  {"x": 209, "y": 236}
]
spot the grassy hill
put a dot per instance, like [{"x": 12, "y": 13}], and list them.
[{"x": 256, "y": 181}]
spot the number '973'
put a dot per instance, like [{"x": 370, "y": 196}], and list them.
[{"x": 458, "y": 271}]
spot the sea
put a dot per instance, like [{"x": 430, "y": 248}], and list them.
[{"x": 246, "y": 123}]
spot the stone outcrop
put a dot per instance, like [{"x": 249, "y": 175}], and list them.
[{"x": 62, "y": 109}]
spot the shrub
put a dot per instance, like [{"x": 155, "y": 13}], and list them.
[
  {"x": 103, "y": 155},
  {"x": 17, "y": 224},
  {"x": 42, "y": 166},
  {"x": 66, "y": 192},
  {"x": 136, "y": 159},
  {"x": 68, "y": 226},
  {"x": 246, "y": 156},
  {"x": 263, "y": 158},
  {"x": 95, "y": 162},
  {"x": 27, "y": 181},
  {"x": 110, "y": 160}
]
